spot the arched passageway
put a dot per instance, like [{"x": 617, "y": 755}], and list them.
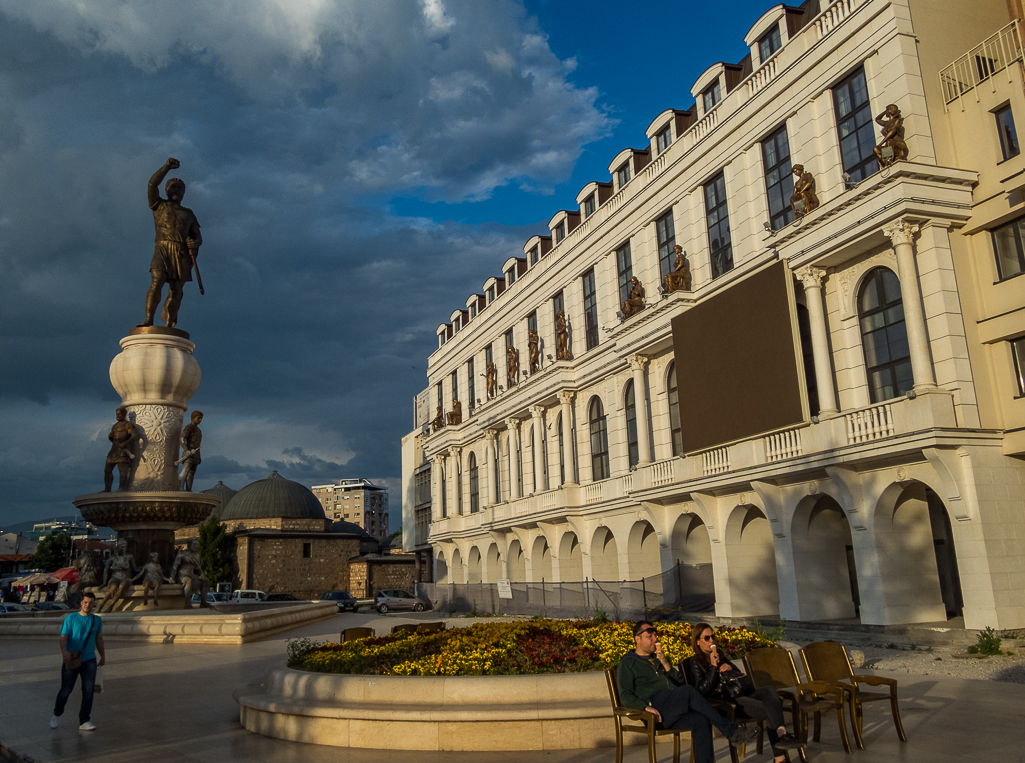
[
  {"x": 604, "y": 556},
  {"x": 751, "y": 559},
  {"x": 692, "y": 576},
  {"x": 493, "y": 564},
  {"x": 824, "y": 561},
  {"x": 541, "y": 561},
  {"x": 474, "y": 572},
  {"x": 571, "y": 561},
  {"x": 517, "y": 563},
  {"x": 441, "y": 568}
]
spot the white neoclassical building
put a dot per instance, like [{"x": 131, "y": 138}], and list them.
[{"x": 833, "y": 414}]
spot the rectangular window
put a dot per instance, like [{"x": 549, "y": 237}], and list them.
[
  {"x": 590, "y": 310},
  {"x": 510, "y": 276},
  {"x": 624, "y": 267},
  {"x": 1008, "y": 135},
  {"x": 532, "y": 322},
  {"x": 623, "y": 175},
  {"x": 473, "y": 309},
  {"x": 441, "y": 398},
  {"x": 560, "y": 232},
  {"x": 854, "y": 126},
  {"x": 769, "y": 44},
  {"x": 508, "y": 339},
  {"x": 535, "y": 254},
  {"x": 455, "y": 385},
  {"x": 589, "y": 206},
  {"x": 491, "y": 294},
  {"x": 1007, "y": 241},
  {"x": 720, "y": 247},
  {"x": 1018, "y": 352},
  {"x": 489, "y": 356},
  {"x": 711, "y": 96},
  {"x": 307, "y": 550},
  {"x": 456, "y": 325},
  {"x": 665, "y": 232},
  {"x": 469, "y": 384},
  {"x": 663, "y": 139},
  {"x": 779, "y": 179}
]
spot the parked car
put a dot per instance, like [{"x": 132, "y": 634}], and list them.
[
  {"x": 11, "y": 607},
  {"x": 395, "y": 599},
  {"x": 212, "y": 598},
  {"x": 248, "y": 596},
  {"x": 50, "y": 606},
  {"x": 281, "y": 597},
  {"x": 346, "y": 601}
]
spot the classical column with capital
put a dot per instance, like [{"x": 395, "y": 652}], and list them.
[
  {"x": 901, "y": 233},
  {"x": 537, "y": 413},
  {"x": 489, "y": 496},
  {"x": 437, "y": 467},
  {"x": 812, "y": 277},
  {"x": 637, "y": 364},
  {"x": 456, "y": 481},
  {"x": 514, "y": 458},
  {"x": 568, "y": 458}
]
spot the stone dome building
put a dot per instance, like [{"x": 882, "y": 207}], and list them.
[
  {"x": 275, "y": 503},
  {"x": 223, "y": 492}
]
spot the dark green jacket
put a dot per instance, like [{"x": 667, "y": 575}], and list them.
[{"x": 639, "y": 677}]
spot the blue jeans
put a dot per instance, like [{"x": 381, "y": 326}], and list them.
[{"x": 68, "y": 677}]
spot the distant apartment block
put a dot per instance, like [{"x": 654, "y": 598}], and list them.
[{"x": 358, "y": 501}]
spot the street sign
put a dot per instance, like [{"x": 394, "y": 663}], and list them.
[{"x": 504, "y": 589}]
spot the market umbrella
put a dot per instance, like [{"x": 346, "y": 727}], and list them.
[{"x": 69, "y": 574}]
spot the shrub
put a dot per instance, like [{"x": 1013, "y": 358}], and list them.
[{"x": 988, "y": 643}]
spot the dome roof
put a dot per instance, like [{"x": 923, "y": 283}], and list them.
[
  {"x": 349, "y": 528},
  {"x": 223, "y": 492},
  {"x": 274, "y": 497}
]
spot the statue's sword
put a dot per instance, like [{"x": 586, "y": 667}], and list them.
[{"x": 199, "y": 278}]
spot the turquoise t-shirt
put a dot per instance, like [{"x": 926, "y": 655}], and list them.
[{"x": 76, "y": 628}]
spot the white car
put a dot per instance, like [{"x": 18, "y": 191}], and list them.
[{"x": 248, "y": 596}]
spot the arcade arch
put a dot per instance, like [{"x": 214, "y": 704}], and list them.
[
  {"x": 493, "y": 565},
  {"x": 604, "y": 555},
  {"x": 571, "y": 560},
  {"x": 474, "y": 571},
  {"x": 541, "y": 560},
  {"x": 517, "y": 563},
  {"x": 751, "y": 561},
  {"x": 824, "y": 560}
]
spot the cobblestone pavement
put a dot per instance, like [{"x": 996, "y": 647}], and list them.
[{"x": 172, "y": 702}]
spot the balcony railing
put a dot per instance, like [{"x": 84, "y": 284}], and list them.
[
  {"x": 981, "y": 63},
  {"x": 870, "y": 424},
  {"x": 783, "y": 445},
  {"x": 834, "y": 15},
  {"x": 715, "y": 461}
]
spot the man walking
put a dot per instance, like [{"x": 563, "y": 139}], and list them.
[
  {"x": 648, "y": 682},
  {"x": 81, "y": 639}
]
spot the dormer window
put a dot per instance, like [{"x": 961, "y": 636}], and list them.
[
  {"x": 535, "y": 254},
  {"x": 473, "y": 310},
  {"x": 456, "y": 325},
  {"x": 711, "y": 97},
  {"x": 663, "y": 139},
  {"x": 491, "y": 294},
  {"x": 623, "y": 175},
  {"x": 769, "y": 44},
  {"x": 510, "y": 276},
  {"x": 560, "y": 232},
  {"x": 589, "y": 206}
]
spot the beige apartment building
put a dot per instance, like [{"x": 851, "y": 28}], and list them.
[
  {"x": 832, "y": 415},
  {"x": 357, "y": 501}
]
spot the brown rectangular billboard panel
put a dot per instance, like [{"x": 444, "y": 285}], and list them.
[{"x": 739, "y": 369}]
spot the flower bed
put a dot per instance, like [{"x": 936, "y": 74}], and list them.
[{"x": 517, "y": 648}]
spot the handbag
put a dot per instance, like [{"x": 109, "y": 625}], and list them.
[
  {"x": 76, "y": 657},
  {"x": 736, "y": 684}
]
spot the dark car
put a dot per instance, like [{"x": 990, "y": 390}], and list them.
[
  {"x": 50, "y": 606},
  {"x": 11, "y": 607},
  {"x": 281, "y": 597},
  {"x": 394, "y": 599},
  {"x": 346, "y": 601}
]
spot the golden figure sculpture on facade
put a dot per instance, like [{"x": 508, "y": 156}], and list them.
[
  {"x": 534, "y": 349},
  {"x": 803, "y": 199},
  {"x": 678, "y": 279},
  {"x": 176, "y": 248},
  {"x": 512, "y": 362},
  {"x": 438, "y": 421},
  {"x": 491, "y": 376},
  {"x": 562, "y": 337},
  {"x": 634, "y": 301},
  {"x": 892, "y": 147},
  {"x": 122, "y": 437},
  {"x": 455, "y": 416}
]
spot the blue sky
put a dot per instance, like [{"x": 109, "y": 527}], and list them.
[{"x": 358, "y": 168}]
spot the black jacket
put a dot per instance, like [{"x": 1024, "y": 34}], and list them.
[{"x": 705, "y": 678}]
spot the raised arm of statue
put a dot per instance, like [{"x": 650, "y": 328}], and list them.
[{"x": 153, "y": 189}]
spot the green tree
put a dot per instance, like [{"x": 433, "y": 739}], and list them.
[
  {"x": 215, "y": 550},
  {"x": 53, "y": 553}
]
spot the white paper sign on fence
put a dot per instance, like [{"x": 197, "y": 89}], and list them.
[{"x": 504, "y": 589}]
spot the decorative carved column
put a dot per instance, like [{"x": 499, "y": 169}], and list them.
[
  {"x": 637, "y": 364},
  {"x": 537, "y": 413},
  {"x": 812, "y": 277},
  {"x": 489, "y": 468},
  {"x": 568, "y": 458},
  {"x": 902, "y": 233},
  {"x": 514, "y": 458}
]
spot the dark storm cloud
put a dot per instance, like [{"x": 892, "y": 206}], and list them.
[{"x": 296, "y": 123}]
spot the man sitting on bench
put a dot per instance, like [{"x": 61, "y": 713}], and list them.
[{"x": 648, "y": 682}]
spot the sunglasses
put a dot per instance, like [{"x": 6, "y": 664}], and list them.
[
  {"x": 648, "y": 630},
  {"x": 704, "y": 638}
]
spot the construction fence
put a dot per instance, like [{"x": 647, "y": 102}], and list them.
[{"x": 683, "y": 588}]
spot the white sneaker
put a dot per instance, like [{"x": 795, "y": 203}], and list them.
[
  {"x": 53, "y": 722},
  {"x": 87, "y": 726}
]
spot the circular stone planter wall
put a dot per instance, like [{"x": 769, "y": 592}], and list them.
[{"x": 545, "y": 712}]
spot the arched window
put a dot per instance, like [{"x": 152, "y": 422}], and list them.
[
  {"x": 631, "y": 424},
  {"x": 884, "y": 336},
  {"x": 474, "y": 485},
  {"x": 676, "y": 432},
  {"x": 562, "y": 458},
  {"x": 599, "y": 441}
]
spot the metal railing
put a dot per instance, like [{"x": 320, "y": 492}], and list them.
[{"x": 981, "y": 63}]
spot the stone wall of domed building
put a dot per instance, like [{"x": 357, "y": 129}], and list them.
[{"x": 284, "y": 543}]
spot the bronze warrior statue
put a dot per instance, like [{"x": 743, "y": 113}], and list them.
[
  {"x": 153, "y": 577},
  {"x": 188, "y": 567},
  {"x": 804, "y": 192},
  {"x": 634, "y": 302},
  {"x": 117, "y": 576},
  {"x": 122, "y": 436},
  {"x": 492, "y": 379},
  {"x": 89, "y": 568},
  {"x": 893, "y": 137},
  {"x": 562, "y": 337},
  {"x": 512, "y": 358},
  {"x": 678, "y": 279},
  {"x": 192, "y": 439},
  {"x": 177, "y": 245},
  {"x": 534, "y": 350}
]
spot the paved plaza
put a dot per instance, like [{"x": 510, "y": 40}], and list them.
[{"x": 172, "y": 702}]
